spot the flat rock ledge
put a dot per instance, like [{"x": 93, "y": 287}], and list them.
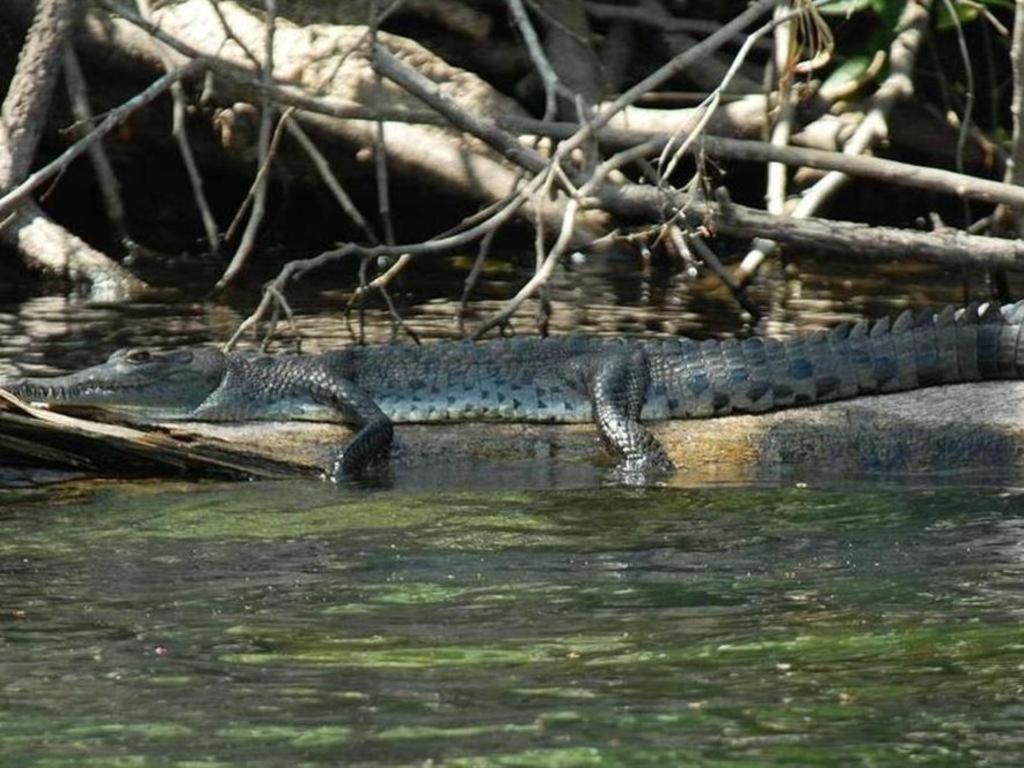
[{"x": 954, "y": 428}]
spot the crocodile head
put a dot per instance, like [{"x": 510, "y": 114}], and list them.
[{"x": 148, "y": 383}]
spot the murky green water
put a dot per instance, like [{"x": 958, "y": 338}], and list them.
[
  {"x": 457, "y": 617},
  {"x": 290, "y": 624}
]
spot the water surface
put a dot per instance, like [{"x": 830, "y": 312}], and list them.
[
  {"x": 485, "y": 616},
  {"x": 294, "y": 623}
]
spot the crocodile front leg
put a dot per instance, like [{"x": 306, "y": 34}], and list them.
[
  {"x": 268, "y": 388},
  {"x": 357, "y": 408},
  {"x": 617, "y": 386}
]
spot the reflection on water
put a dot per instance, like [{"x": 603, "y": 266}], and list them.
[
  {"x": 51, "y": 333},
  {"x": 173, "y": 624}
]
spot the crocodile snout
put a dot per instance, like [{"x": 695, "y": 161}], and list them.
[{"x": 13, "y": 385}]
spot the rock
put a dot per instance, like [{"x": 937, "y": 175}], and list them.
[{"x": 961, "y": 427}]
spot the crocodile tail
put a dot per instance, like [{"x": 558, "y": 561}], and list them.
[
  {"x": 979, "y": 341},
  {"x": 1010, "y": 357},
  {"x": 922, "y": 349}
]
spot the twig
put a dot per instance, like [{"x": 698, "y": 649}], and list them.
[
  {"x": 380, "y": 283},
  {"x": 271, "y": 292},
  {"x": 430, "y": 93},
  {"x": 509, "y": 145},
  {"x": 775, "y": 193},
  {"x": 180, "y": 132},
  {"x": 328, "y": 177},
  {"x": 671, "y": 68},
  {"x": 383, "y": 280},
  {"x": 397, "y": 320},
  {"x": 478, "y": 217},
  {"x": 113, "y": 118},
  {"x": 540, "y": 277},
  {"x": 296, "y": 269},
  {"x": 263, "y": 141},
  {"x": 380, "y": 161},
  {"x": 376, "y": 20},
  {"x": 707, "y": 72},
  {"x": 281, "y": 303},
  {"x": 229, "y": 34},
  {"x": 851, "y": 239},
  {"x": 259, "y": 179},
  {"x": 473, "y": 278},
  {"x": 692, "y": 241},
  {"x": 967, "y": 119},
  {"x": 1015, "y": 165},
  {"x": 673, "y": 152},
  {"x": 897, "y": 85},
  {"x": 552, "y": 85},
  {"x": 110, "y": 187},
  {"x": 633, "y": 154},
  {"x": 784, "y": 44}
]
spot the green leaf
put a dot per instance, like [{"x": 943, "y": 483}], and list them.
[
  {"x": 845, "y": 7},
  {"x": 965, "y": 14},
  {"x": 889, "y": 11},
  {"x": 851, "y": 69}
]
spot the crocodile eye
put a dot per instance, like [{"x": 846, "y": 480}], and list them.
[{"x": 138, "y": 356}]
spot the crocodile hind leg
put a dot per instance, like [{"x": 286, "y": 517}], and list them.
[
  {"x": 617, "y": 387},
  {"x": 357, "y": 408}
]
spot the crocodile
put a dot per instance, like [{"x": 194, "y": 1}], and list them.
[{"x": 618, "y": 383}]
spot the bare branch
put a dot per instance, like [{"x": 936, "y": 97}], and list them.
[
  {"x": 180, "y": 132},
  {"x": 28, "y": 97},
  {"x": 897, "y": 85},
  {"x": 851, "y": 239},
  {"x": 110, "y": 187},
  {"x": 264, "y": 154},
  {"x": 540, "y": 277},
  {"x": 114, "y": 117},
  {"x": 328, "y": 176},
  {"x": 552, "y": 85},
  {"x": 1015, "y": 165}
]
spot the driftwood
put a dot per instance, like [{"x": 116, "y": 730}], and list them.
[
  {"x": 955, "y": 428},
  {"x": 331, "y": 62},
  {"x": 42, "y": 243},
  {"x": 40, "y": 437},
  {"x": 342, "y": 91}
]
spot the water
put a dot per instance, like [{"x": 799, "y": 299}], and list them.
[
  {"x": 287, "y": 624},
  {"x": 479, "y": 616},
  {"x": 50, "y": 334}
]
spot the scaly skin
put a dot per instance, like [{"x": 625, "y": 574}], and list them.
[{"x": 617, "y": 383}]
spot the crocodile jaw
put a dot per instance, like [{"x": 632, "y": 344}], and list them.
[
  {"x": 59, "y": 391},
  {"x": 166, "y": 386}
]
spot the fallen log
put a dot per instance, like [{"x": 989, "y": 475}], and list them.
[
  {"x": 962, "y": 427},
  {"x": 40, "y": 437}
]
